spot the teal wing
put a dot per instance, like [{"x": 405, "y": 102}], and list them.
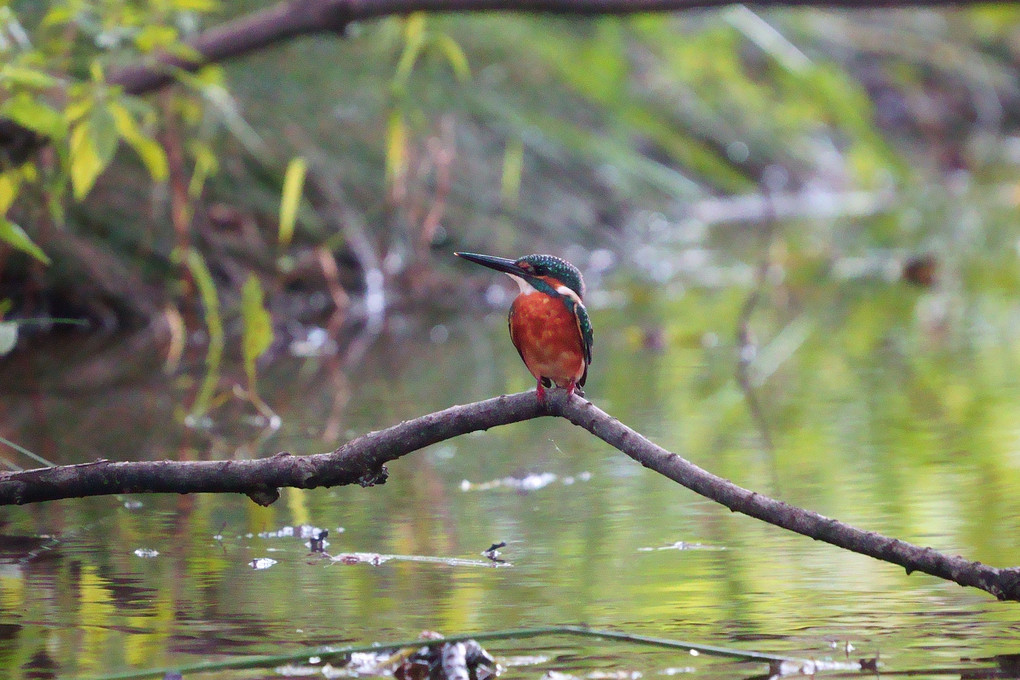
[
  {"x": 584, "y": 328},
  {"x": 510, "y": 325}
]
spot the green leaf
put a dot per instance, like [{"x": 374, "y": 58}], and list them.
[
  {"x": 85, "y": 162},
  {"x": 93, "y": 143},
  {"x": 293, "y": 182},
  {"x": 78, "y": 109},
  {"x": 206, "y": 165},
  {"x": 15, "y": 236},
  {"x": 396, "y": 147},
  {"x": 104, "y": 134},
  {"x": 513, "y": 164},
  {"x": 27, "y": 111},
  {"x": 57, "y": 16},
  {"x": 8, "y": 336},
  {"x": 196, "y": 5},
  {"x": 258, "y": 327},
  {"x": 10, "y": 183},
  {"x": 148, "y": 149},
  {"x": 154, "y": 37},
  {"x": 415, "y": 38},
  {"x": 27, "y": 77},
  {"x": 152, "y": 156},
  {"x": 454, "y": 56}
]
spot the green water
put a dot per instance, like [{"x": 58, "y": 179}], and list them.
[{"x": 890, "y": 406}]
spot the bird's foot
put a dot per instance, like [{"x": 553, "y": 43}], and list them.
[
  {"x": 540, "y": 392},
  {"x": 574, "y": 388}
]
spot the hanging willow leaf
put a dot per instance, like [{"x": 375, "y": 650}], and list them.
[
  {"x": 93, "y": 143},
  {"x": 293, "y": 183}
]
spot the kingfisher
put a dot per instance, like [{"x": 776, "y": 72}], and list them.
[{"x": 549, "y": 325}]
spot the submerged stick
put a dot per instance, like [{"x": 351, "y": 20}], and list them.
[
  {"x": 362, "y": 461},
  {"x": 330, "y": 652}
]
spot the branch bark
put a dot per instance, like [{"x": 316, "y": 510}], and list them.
[
  {"x": 362, "y": 461},
  {"x": 295, "y": 18}
]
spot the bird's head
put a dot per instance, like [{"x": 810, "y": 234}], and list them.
[{"x": 545, "y": 273}]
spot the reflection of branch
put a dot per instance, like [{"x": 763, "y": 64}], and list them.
[
  {"x": 746, "y": 346},
  {"x": 746, "y": 349},
  {"x": 362, "y": 461}
]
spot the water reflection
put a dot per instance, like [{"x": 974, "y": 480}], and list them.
[{"x": 877, "y": 419}]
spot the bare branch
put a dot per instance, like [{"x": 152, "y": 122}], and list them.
[
  {"x": 287, "y": 20},
  {"x": 362, "y": 461},
  {"x": 1003, "y": 583}
]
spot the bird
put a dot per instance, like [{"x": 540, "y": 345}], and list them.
[{"x": 548, "y": 322}]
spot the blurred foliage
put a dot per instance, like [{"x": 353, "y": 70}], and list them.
[
  {"x": 515, "y": 133},
  {"x": 812, "y": 156}
]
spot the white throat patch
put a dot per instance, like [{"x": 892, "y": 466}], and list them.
[
  {"x": 567, "y": 292},
  {"x": 526, "y": 288}
]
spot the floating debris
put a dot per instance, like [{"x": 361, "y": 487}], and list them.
[
  {"x": 493, "y": 552},
  {"x": 556, "y": 675},
  {"x": 375, "y": 559},
  {"x": 683, "y": 545},
  {"x": 146, "y": 552},
  {"x": 465, "y": 660},
  {"x": 293, "y": 671},
  {"x": 133, "y": 505},
  {"x": 813, "y": 666},
  {"x": 262, "y": 563},
  {"x": 526, "y": 660},
  {"x": 301, "y": 531},
  {"x": 531, "y": 482},
  {"x": 318, "y": 543}
]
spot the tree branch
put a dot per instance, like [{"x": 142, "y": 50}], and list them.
[
  {"x": 288, "y": 20},
  {"x": 362, "y": 461},
  {"x": 1003, "y": 583},
  {"x": 293, "y": 18}
]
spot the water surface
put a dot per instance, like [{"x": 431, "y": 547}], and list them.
[{"x": 889, "y": 406}]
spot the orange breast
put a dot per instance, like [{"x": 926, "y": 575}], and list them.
[{"x": 545, "y": 333}]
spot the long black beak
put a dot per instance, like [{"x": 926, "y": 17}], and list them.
[{"x": 500, "y": 264}]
